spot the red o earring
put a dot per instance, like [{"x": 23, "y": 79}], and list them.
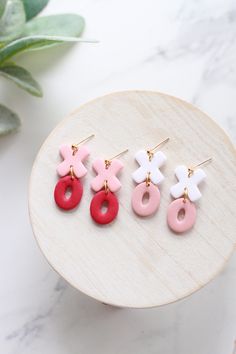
[
  {"x": 186, "y": 192},
  {"x": 105, "y": 184},
  {"x": 71, "y": 169}
]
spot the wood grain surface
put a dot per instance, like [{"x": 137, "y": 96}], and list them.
[{"x": 137, "y": 262}]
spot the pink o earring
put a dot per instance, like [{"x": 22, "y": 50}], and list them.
[
  {"x": 148, "y": 177},
  {"x": 105, "y": 184},
  {"x": 185, "y": 192},
  {"x": 70, "y": 170}
]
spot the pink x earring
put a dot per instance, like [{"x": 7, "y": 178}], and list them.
[
  {"x": 105, "y": 184},
  {"x": 181, "y": 214},
  {"x": 148, "y": 176},
  {"x": 71, "y": 169}
]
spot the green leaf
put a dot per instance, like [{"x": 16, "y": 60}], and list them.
[
  {"x": 2, "y": 6},
  {"x": 21, "y": 78},
  {"x": 12, "y": 20},
  {"x": 67, "y": 25},
  {"x": 34, "y": 43},
  {"x": 9, "y": 121},
  {"x": 33, "y": 7}
]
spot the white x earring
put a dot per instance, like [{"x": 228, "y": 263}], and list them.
[
  {"x": 148, "y": 176},
  {"x": 185, "y": 192}
]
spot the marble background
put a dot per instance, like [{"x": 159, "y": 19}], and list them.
[{"x": 185, "y": 48}]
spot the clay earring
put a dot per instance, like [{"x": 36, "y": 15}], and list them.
[
  {"x": 188, "y": 178},
  {"x": 71, "y": 169},
  {"x": 148, "y": 176},
  {"x": 105, "y": 184}
]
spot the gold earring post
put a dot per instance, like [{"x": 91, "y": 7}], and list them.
[
  {"x": 191, "y": 170},
  {"x": 150, "y": 152},
  {"x": 86, "y": 139},
  {"x": 162, "y": 142},
  {"x": 108, "y": 161},
  {"x": 203, "y": 162},
  {"x": 76, "y": 146},
  {"x": 121, "y": 153}
]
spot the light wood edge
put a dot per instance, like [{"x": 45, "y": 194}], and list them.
[{"x": 74, "y": 113}]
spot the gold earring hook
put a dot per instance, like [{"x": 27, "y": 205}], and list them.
[
  {"x": 150, "y": 152},
  {"x": 185, "y": 194},
  {"x": 106, "y": 186},
  {"x": 191, "y": 169},
  {"x": 72, "y": 174},
  {"x": 148, "y": 179},
  {"x": 108, "y": 161},
  {"x": 76, "y": 146}
]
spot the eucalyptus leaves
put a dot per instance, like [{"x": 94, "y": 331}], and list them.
[{"x": 20, "y": 32}]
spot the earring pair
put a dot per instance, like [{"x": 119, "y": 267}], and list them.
[
  {"x": 181, "y": 213},
  {"x": 105, "y": 184}
]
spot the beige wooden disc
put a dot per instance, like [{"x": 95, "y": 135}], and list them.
[{"x": 137, "y": 262}]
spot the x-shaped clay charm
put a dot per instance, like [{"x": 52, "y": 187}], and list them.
[
  {"x": 190, "y": 183},
  {"x": 147, "y": 166},
  {"x": 106, "y": 174},
  {"x": 75, "y": 161}
]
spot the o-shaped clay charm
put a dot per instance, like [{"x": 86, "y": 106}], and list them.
[
  {"x": 149, "y": 208},
  {"x": 186, "y": 223},
  {"x": 96, "y": 207},
  {"x": 62, "y": 186}
]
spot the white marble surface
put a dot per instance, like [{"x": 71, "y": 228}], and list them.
[{"x": 184, "y": 47}]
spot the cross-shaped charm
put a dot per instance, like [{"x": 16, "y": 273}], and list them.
[
  {"x": 187, "y": 182},
  {"x": 149, "y": 166},
  {"x": 72, "y": 158},
  {"x": 106, "y": 173}
]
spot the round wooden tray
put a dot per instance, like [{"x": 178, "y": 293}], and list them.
[{"x": 137, "y": 262}]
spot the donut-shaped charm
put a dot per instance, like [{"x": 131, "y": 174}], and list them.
[
  {"x": 151, "y": 206},
  {"x": 62, "y": 186},
  {"x": 186, "y": 223},
  {"x": 96, "y": 207}
]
